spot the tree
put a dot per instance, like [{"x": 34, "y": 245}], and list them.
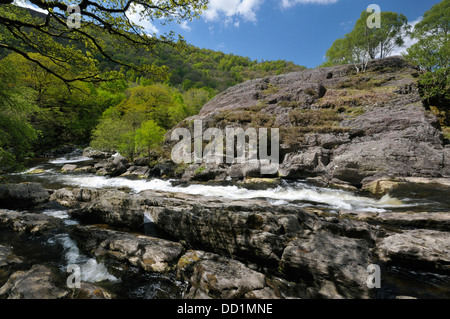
[
  {"x": 23, "y": 31},
  {"x": 432, "y": 54},
  {"x": 149, "y": 136},
  {"x": 16, "y": 108},
  {"x": 364, "y": 43}
]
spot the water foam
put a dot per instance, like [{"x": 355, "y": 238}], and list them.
[
  {"x": 91, "y": 270},
  {"x": 295, "y": 192}
]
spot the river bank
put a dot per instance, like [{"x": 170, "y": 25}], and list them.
[{"x": 156, "y": 238}]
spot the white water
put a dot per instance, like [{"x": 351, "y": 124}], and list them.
[
  {"x": 65, "y": 160},
  {"x": 282, "y": 195},
  {"x": 91, "y": 271}
]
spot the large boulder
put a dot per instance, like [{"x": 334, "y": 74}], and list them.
[
  {"x": 213, "y": 276},
  {"x": 113, "y": 166},
  {"x": 29, "y": 222},
  {"x": 148, "y": 253},
  {"x": 36, "y": 283},
  {"x": 417, "y": 249},
  {"x": 115, "y": 208},
  {"x": 23, "y": 195}
]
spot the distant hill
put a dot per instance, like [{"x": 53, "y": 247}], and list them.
[{"x": 191, "y": 67}]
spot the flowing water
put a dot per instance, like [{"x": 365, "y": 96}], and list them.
[{"x": 61, "y": 251}]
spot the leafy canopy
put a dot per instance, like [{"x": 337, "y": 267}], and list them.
[
  {"x": 364, "y": 43},
  {"x": 23, "y": 31}
]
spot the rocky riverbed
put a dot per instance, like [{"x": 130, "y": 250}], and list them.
[{"x": 154, "y": 238}]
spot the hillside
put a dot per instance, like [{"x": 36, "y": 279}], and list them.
[{"x": 343, "y": 127}]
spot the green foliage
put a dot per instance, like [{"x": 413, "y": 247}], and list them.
[
  {"x": 432, "y": 54},
  {"x": 363, "y": 43},
  {"x": 149, "y": 136},
  {"x": 137, "y": 125},
  {"x": 16, "y": 109}
]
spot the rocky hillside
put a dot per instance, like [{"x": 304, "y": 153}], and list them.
[{"x": 335, "y": 124}]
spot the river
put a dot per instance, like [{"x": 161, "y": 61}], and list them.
[{"x": 61, "y": 251}]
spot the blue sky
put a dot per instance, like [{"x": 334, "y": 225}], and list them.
[
  {"x": 300, "y": 31},
  {"x": 294, "y": 30}
]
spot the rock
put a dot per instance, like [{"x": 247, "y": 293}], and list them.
[
  {"x": 7, "y": 261},
  {"x": 7, "y": 256},
  {"x": 114, "y": 166},
  {"x": 36, "y": 283},
  {"x": 260, "y": 183},
  {"x": 253, "y": 229},
  {"x": 379, "y": 187},
  {"x": 213, "y": 276},
  {"x": 322, "y": 261},
  {"x": 36, "y": 171},
  {"x": 163, "y": 168},
  {"x": 68, "y": 168},
  {"x": 148, "y": 253},
  {"x": 114, "y": 208},
  {"x": 436, "y": 220},
  {"x": 137, "y": 171},
  {"x": 96, "y": 154},
  {"x": 417, "y": 249},
  {"x": 90, "y": 291},
  {"x": 343, "y": 127},
  {"x": 304, "y": 163},
  {"x": 76, "y": 197},
  {"x": 29, "y": 223},
  {"x": 85, "y": 169},
  {"x": 22, "y": 195},
  {"x": 204, "y": 172},
  {"x": 141, "y": 161}
]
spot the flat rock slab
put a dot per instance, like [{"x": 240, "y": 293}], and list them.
[
  {"x": 432, "y": 220},
  {"x": 36, "y": 283},
  {"x": 148, "y": 253},
  {"x": 29, "y": 222},
  {"x": 420, "y": 248}
]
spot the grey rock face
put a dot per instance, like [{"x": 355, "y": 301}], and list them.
[
  {"x": 148, "y": 253},
  {"x": 379, "y": 127},
  {"x": 213, "y": 276},
  {"x": 29, "y": 223},
  {"x": 36, "y": 283},
  {"x": 419, "y": 248},
  {"x": 22, "y": 195}
]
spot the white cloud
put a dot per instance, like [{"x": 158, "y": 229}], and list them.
[
  {"x": 407, "y": 39},
  {"x": 25, "y": 4},
  {"x": 245, "y": 9},
  {"x": 184, "y": 26},
  {"x": 291, "y": 3},
  {"x": 134, "y": 14}
]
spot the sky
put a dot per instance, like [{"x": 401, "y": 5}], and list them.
[{"x": 300, "y": 31}]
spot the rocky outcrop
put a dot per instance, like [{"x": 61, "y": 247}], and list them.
[
  {"x": 76, "y": 197},
  {"x": 36, "y": 283},
  {"x": 213, "y": 276},
  {"x": 96, "y": 154},
  {"x": 113, "y": 166},
  {"x": 29, "y": 222},
  {"x": 148, "y": 253},
  {"x": 23, "y": 195},
  {"x": 252, "y": 231},
  {"x": 346, "y": 127},
  {"x": 423, "y": 220},
  {"x": 418, "y": 249},
  {"x": 115, "y": 208},
  {"x": 8, "y": 259}
]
